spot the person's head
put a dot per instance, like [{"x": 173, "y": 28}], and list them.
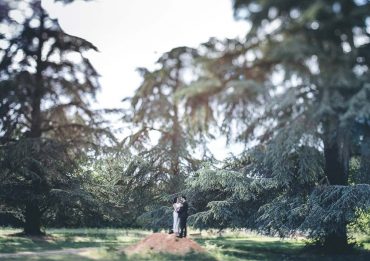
[
  {"x": 183, "y": 198},
  {"x": 175, "y": 200}
]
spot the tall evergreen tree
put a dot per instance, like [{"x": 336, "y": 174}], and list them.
[
  {"x": 46, "y": 87},
  {"x": 300, "y": 79},
  {"x": 157, "y": 107}
]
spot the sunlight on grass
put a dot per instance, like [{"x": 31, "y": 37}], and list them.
[
  {"x": 103, "y": 244},
  {"x": 59, "y": 239}
]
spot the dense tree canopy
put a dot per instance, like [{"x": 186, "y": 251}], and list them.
[
  {"x": 46, "y": 87},
  {"x": 298, "y": 86},
  {"x": 295, "y": 92},
  {"x": 157, "y": 108}
]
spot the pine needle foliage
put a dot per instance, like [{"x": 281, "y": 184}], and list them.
[
  {"x": 161, "y": 131},
  {"x": 297, "y": 85},
  {"x": 46, "y": 123}
]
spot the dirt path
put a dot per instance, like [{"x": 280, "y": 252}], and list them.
[{"x": 66, "y": 251}]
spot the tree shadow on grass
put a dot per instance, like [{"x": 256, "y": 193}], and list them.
[
  {"x": 16, "y": 243},
  {"x": 13, "y": 244},
  {"x": 247, "y": 249}
]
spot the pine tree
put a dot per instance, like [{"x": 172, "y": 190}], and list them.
[
  {"x": 158, "y": 107},
  {"x": 299, "y": 80},
  {"x": 46, "y": 87}
]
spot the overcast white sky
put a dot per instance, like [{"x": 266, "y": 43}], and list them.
[{"x": 134, "y": 33}]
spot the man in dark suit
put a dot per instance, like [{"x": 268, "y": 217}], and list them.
[{"x": 183, "y": 215}]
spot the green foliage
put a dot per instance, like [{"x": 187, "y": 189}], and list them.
[
  {"x": 45, "y": 174},
  {"x": 329, "y": 205},
  {"x": 157, "y": 217},
  {"x": 124, "y": 184},
  {"x": 297, "y": 86},
  {"x": 242, "y": 192},
  {"x": 362, "y": 222},
  {"x": 295, "y": 92},
  {"x": 257, "y": 196},
  {"x": 39, "y": 166},
  {"x": 46, "y": 124},
  {"x": 118, "y": 189},
  {"x": 157, "y": 109}
]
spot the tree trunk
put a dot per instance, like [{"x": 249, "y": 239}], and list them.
[
  {"x": 38, "y": 91},
  {"x": 33, "y": 213},
  {"x": 33, "y": 220},
  {"x": 176, "y": 180},
  {"x": 365, "y": 157},
  {"x": 337, "y": 241},
  {"x": 336, "y": 152},
  {"x": 336, "y": 167}
]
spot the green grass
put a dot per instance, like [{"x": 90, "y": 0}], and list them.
[
  {"x": 266, "y": 248},
  {"x": 106, "y": 242},
  {"x": 69, "y": 238}
]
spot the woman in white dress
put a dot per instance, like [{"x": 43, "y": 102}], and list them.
[{"x": 176, "y": 220}]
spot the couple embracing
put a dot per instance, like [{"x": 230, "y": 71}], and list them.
[{"x": 180, "y": 215}]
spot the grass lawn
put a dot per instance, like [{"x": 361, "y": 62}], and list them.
[{"x": 102, "y": 244}]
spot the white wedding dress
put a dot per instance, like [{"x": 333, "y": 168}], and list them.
[{"x": 176, "y": 219}]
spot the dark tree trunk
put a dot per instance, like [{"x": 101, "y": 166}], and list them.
[
  {"x": 336, "y": 152},
  {"x": 32, "y": 216},
  {"x": 33, "y": 213},
  {"x": 38, "y": 91},
  {"x": 337, "y": 242},
  {"x": 336, "y": 168},
  {"x": 365, "y": 157},
  {"x": 176, "y": 180}
]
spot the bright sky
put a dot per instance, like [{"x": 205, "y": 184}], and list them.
[{"x": 134, "y": 33}]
